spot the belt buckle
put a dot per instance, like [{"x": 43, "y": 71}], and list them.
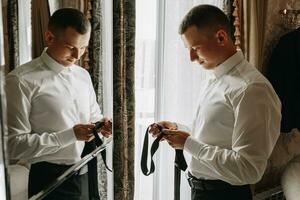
[
  {"x": 191, "y": 183},
  {"x": 198, "y": 185}
]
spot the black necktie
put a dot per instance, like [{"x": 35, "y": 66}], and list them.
[
  {"x": 99, "y": 142},
  {"x": 179, "y": 163},
  {"x": 92, "y": 165},
  {"x": 92, "y": 170}
]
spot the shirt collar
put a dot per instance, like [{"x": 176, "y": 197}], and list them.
[
  {"x": 228, "y": 64},
  {"x": 52, "y": 64}
]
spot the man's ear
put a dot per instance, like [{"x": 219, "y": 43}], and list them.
[
  {"x": 222, "y": 37},
  {"x": 49, "y": 38}
]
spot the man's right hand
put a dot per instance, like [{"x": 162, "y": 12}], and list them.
[
  {"x": 155, "y": 131},
  {"x": 84, "y": 132}
]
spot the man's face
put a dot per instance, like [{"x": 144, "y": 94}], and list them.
[
  {"x": 203, "y": 47},
  {"x": 67, "y": 47}
]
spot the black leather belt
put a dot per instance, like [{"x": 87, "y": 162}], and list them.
[{"x": 201, "y": 184}]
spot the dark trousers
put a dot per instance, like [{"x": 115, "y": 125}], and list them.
[
  {"x": 218, "y": 190},
  {"x": 42, "y": 174},
  {"x": 237, "y": 193}
]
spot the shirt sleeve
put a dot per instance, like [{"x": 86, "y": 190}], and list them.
[
  {"x": 257, "y": 113},
  {"x": 183, "y": 127},
  {"x": 22, "y": 142}
]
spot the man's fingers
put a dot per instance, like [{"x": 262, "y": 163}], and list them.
[
  {"x": 170, "y": 132},
  {"x": 105, "y": 133},
  {"x": 154, "y": 129},
  {"x": 87, "y": 126},
  {"x": 107, "y": 121},
  {"x": 90, "y": 137},
  {"x": 171, "y": 143}
]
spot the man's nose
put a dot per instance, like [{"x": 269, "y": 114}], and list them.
[
  {"x": 76, "y": 54},
  {"x": 193, "y": 55}
]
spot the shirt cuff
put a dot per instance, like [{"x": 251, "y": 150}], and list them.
[
  {"x": 66, "y": 137},
  {"x": 192, "y": 146}
]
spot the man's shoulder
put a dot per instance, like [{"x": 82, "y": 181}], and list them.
[
  {"x": 26, "y": 68},
  {"x": 244, "y": 77},
  {"x": 81, "y": 72},
  {"x": 248, "y": 74},
  {"x": 80, "y": 69}
]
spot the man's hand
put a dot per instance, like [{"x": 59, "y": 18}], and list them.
[
  {"x": 176, "y": 138},
  {"x": 154, "y": 128},
  {"x": 84, "y": 132},
  {"x": 106, "y": 129}
]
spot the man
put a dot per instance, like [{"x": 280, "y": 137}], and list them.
[
  {"x": 237, "y": 121},
  {"x": 51, "y": 107}
]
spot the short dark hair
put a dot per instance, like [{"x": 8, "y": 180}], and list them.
[
  {"x": 68, "y": 17},
  {"x": 205, "y": 16}
]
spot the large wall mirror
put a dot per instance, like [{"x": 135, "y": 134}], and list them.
[
  {"x": 4, "y": 189},
  {"x": 22, "y": 39}
]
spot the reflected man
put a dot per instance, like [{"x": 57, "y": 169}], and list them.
[{"x": 51, "y": 104}]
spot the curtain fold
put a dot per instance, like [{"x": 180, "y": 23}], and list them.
[
  {"x": 96, "y": 50},
  {"x": 93, "y": 62},
  {"x": 124, "y": 99},
  {"x": 40, "y": 18},
  {"x": 253, "y": 18},
  {"x": 13, "y": 42},
  {"x": 95, "y": 68}
]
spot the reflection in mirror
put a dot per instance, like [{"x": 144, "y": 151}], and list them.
[
  {"x": 72, "y": 171},
  {"x": 51, "y": 103},
  {"x": 4, "y": 194}
]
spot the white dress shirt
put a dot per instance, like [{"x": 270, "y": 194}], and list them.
[
  {"x": 236, "y": 125},
  {"x": 44, "y": 101}
]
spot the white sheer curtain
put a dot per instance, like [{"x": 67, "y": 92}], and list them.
[
  {"x": 167, "y": 86},
  {"x": 107, "y": 15},
  {"x": 146, "y": 18},
  {"x": 25, "y": 42}
]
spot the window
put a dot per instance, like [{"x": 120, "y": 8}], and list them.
[{"x": 166, "y": 82}]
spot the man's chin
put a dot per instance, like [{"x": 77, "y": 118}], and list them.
[
  {"x": 68, "y": 63},
  {"x": 206, "y": 66}
]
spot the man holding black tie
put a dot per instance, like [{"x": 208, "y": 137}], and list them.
[
  {"x": 237, "y": 122},
  {"x": 51, "y": 106}
]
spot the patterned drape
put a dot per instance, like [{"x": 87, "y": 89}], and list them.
[
  {"x": 13, "y": 35},
  {"x": 123, "y": 95},
  {"x": 95, "y": 53},
  {"x": 237, "y": 25},
  {"x": 40, "y": 17},
  {"x": 95, "y": 50}
]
